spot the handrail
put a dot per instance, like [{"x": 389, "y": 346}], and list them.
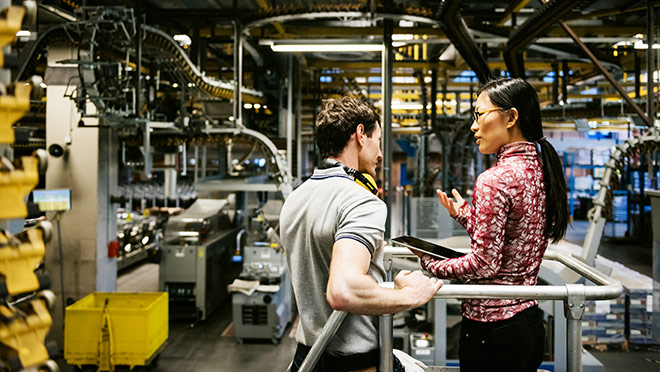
[
  {"x": 329, "y": 330},
  {"x": 573, "y": 295}
]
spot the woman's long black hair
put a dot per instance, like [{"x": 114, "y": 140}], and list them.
[{"x": 509, "y": 93}]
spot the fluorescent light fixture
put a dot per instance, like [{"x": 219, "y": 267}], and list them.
[
  {"x": 182, "y": 39},
  {"x": 257, "y": 106},
  {"x": 401, "y": 37},
  {"x": 327, "y": 47},
  {"x": 188, "y": 233},
  {"x": 23, "y": 33},
  {"x": 641, "y": 45},
  {"x": 407, "y": 106},
  {"x": 247, "y": 106}
]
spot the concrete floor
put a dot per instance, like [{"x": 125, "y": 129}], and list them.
[{"x": 202, "y": 346}]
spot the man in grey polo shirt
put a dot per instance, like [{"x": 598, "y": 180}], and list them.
[{"x": 332, "y": 230}]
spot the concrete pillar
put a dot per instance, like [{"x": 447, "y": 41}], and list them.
[{"x": 89, "y": 169}]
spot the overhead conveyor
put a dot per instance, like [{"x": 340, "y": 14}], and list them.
[{"x": 160, "y": 49}]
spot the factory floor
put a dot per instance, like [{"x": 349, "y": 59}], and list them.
[{"x": 210, "y": 346}]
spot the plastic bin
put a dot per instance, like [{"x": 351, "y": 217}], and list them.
[{"x": 111, "y": 329}]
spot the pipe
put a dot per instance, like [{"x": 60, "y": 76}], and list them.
[
  {"x": 289, "y": 113},
  {"x": 238, "y": 74},
  {"x": 599, "y": 66},
  {"x": 650, "y": 109},
  {"x": 388, "y": 58},
  {"x": 457, "y": 32},
  {"x": 138, "y": 52},
  {"x": 539, "y": 22}
]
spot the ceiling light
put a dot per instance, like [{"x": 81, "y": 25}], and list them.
[
  {"x": 641, "y": 45},
  {"x": 399, "y": 37},
  {"x": 23, "y": 33},
  {"x": 257, "y": 106},
  {"x": 247, "y": 106},
  {"x": 175, "y": 85},
  {"x": 327, "y": 47},
  {"x": 182, "y": 39},
  {"x": 407, "y": 106}
]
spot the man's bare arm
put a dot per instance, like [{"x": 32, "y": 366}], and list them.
[{"x": 351, "y": 289}]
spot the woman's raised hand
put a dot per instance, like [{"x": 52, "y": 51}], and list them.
[{"x": 450, "y": 205}]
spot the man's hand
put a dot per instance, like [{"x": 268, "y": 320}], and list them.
[
  {"x": 450, "y": 205},
  {"x": 417, "y": 286}
]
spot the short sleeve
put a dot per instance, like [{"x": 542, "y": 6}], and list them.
[{"x": 364, "y": 222}]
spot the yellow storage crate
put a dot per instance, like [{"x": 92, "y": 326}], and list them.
[{"x": 111, "y": 329}]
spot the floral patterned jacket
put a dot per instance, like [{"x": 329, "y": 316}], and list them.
[{"x": 506, "y": 227}]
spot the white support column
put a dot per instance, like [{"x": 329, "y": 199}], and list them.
[{"x": 89, "y": 169}]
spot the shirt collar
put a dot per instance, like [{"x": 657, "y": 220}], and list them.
[
  {"x": 516, "y": 149},
  {"x": 330, "y": 172}
]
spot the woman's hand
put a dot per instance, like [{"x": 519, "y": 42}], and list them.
[{"x": 450, "y": 205}]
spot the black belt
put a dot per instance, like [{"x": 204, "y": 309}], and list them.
[{"x": 330, "y": 363}]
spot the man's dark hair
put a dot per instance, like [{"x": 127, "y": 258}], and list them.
[{"x": 338, "y": 119}]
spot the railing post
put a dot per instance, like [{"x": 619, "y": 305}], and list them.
[
  {"x": 385, "y": 339},
  {"x": 574, "y": 311},
  {"x": 386, "y": 326}
]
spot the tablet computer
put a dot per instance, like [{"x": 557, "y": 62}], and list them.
[{"x": 423, "y": 246}]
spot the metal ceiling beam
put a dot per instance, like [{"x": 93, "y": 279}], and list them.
[
  {"x": 314, "y": 16},
  {"x": 459, "y": 35},
  {"x": 535, "y": 25},
  {"x": 513, "y": 8},
  {"x": 353, "y": 66},
  {"x": 607, "y": 13},
  {"x": 606, "y": 73}
]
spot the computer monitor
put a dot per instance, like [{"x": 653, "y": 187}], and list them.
[{"x": 58, "y": 200}]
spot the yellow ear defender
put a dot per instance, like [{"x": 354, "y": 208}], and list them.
[
  {"x": 367, "y": 181},
  {"x": 363, "y": 179}
]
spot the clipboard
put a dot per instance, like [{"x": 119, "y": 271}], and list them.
[{"x": 423, "y": 246}]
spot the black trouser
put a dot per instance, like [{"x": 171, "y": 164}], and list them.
[
  {"x": 511, "y": 345},
  {"x": 336, "y": 363}
]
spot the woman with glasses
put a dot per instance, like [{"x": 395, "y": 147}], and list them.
[{"x": 518, "y": 205}]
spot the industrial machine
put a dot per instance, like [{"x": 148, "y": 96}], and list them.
[
  {"x": 265, "y": 311},
  {"x": 196, "y": 263}
]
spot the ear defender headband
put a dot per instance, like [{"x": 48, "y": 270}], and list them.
[{"x": 363, "y": 179}]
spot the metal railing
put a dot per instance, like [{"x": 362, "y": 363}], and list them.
[{"x": 573, "y": 295}]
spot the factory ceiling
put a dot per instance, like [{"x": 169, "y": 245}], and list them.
[{"x": 460, "y": 42}]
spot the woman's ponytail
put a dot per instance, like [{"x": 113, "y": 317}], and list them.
[{"x": 556, "y": 200}]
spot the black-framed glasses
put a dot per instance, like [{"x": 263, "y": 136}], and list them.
[{"x": 477, "y": 114}]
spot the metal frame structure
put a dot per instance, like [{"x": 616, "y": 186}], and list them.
[
  {"x": 648, "y": 141},
  {"x": 282, "y": 176},
  {"x": 573, "y": 296}
]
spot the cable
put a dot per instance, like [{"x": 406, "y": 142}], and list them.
[{"x": 59, "y": 245}]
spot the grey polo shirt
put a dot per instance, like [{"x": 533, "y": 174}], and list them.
[{"x": 328, "y": 207}]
